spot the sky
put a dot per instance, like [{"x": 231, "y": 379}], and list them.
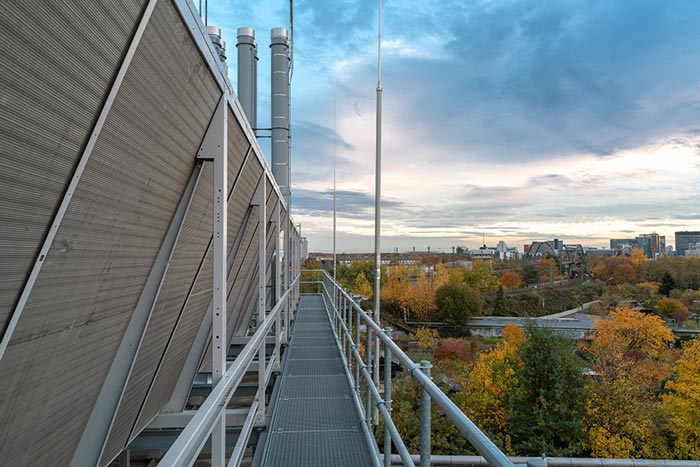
[{"x": 512, "y": 120}]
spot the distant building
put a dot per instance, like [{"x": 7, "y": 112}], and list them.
[
  {"x": 693, "y": 250},
  {"x": 304, "y": 248},
  {"x": 684, "y": 240},
  {"x": 653, "y": 244}
]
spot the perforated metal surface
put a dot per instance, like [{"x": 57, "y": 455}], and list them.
[
  {"x": 316, "y": 423},
  {"x": 51, "y": 93}
]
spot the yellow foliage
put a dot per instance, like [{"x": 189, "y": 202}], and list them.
[
  {"x": 682, "y": 404},
  {"x": 421, "y": 298},
  {"x": 638, "y": 257},
  {"x": 397, "y": 284},
  {"x": 629, "y": 353},
  {"x": 427, "y": 338},
  {"x": 491, "y": 382},
  {"x": 362, "y": 286},
  {"x": 630, "y": 330}
]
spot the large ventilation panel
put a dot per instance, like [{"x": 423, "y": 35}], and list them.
[
  {"x": 52, "y": 91},
  {"x": 93, "y": 275}
]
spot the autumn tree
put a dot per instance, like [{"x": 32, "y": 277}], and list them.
[
  {"x": 427, "y": 338},
  {"x": 481, "y": 277},
  {"x": 420, "y": 298},
  {"x": 457, "y": 302},
  {"x": 622, "y": 412},
  {"x": 397, "y": 285},
  {"x": 547, "y": 269},
  {"x": 510, "y": 280},
  {"x": 638, "y": 258},
  {"x": 624, "y": 274},
  {"x": 491, "y": 384},
  {"x": 682, "y": 403},
  {"x": 547, "y": 407},
  {"x": 361, "y": 286},
  {"x": 673, "y": 308}
]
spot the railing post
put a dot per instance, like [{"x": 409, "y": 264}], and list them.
[
  {"x": 387, "y": 399},
  {"x": 425, "y": 367},
  {"x": 368, "y": 364},
  {"x": 357, "y": 363},
  {"x": 344, "y": 324}
]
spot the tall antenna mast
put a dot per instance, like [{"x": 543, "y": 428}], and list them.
[
  {"x": 334, "y": 139},
  {"x": 378, "y": 201}
]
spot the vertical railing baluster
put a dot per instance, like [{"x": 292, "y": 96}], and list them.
[
  {"x": 387, "y": 399},
  {"x": 425, "y": 367}
]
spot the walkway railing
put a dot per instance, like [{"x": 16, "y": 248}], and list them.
[
  {"x": 192, "y": 439},
  {"x": 349, "y": 321}
]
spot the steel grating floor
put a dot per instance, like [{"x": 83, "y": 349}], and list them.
[{"x": 315, "y": 423}]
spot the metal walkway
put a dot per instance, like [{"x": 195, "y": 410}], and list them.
[{"x": 315, "y": 423}]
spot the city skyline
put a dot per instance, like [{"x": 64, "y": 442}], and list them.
[{"x": 562, "y": 120}]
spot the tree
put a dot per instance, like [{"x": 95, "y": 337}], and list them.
[
  {"x": 421, "y": 298},
  {"x": 397, "y": 285},
  {"x": 510, "y": 280},
  {"x": 638, "y": 257},
  {"x": 481, "y": 277},
  {"x": 668, "y": 283},
  {"x": 490, "y": 385},
  {"x": 682, "y": 403},
  {"x": 500, "y": 308},
  {"x": 673, "y": 308},
  {"x": 622, "y": 411},
  {"x": 427, "y": 338},
  {"x": 624, "y": 274},
  {"x": 530, "y": 274},
  {"x": 547, "y": 407},
  {"x": 547, "y": 269},
  {"x": 457, "y": 302},
  {"x": 361, "y": 286}
]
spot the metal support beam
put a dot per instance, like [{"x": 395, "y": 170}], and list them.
[
  {"x": 73, "y": 184},
  {"x": 214, "y": 148},
  {"x": 425, "y": 440},
  {"x": 261, "y": 198},
  {"x": 276, "y": 218}
]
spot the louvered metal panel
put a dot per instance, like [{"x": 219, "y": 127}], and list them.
[
  {"x": 92, "y": 277},
  {"x": 186, "y": 102},
  {"x": 183, "y": 335},
  {"x": 52, "y": 91}
]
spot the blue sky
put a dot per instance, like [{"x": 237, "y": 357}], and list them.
[{"x": 516, "y": 119}]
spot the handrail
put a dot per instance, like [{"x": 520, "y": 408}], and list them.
[
  {"x": 187, "y": 446},
  {"x": 483, "y": 445}
]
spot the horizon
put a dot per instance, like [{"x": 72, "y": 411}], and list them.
[{"x": 575, "y": 121}]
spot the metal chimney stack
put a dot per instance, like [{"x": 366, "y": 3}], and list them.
[
  {"x": 280, "y": 109},
  {"x": 248, "y": 74},
  {"x": 214, "y": 33}
]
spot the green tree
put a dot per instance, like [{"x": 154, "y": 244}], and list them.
[
  {"x": 668, "y": 283},
  {"x": 457, "y": 302},
  {"x": 547, "y": 407},
  {"x": 530, "y": 274},
  {"x": 481, "y": 277},
  {"x": 500, "y": 308}
]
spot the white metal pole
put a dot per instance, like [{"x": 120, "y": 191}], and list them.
[
  {"x": 378, "y": 202},
  {"x": 334, "y": 211}
]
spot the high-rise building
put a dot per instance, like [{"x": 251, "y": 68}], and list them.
[{"x": 684, "y": 240}]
